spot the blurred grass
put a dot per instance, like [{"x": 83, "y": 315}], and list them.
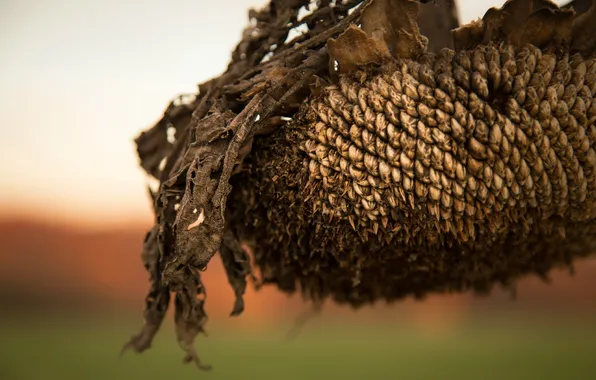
[{"x": 84, "y": 349}]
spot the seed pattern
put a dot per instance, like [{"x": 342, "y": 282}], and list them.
[{"x": 458, "y": 145}]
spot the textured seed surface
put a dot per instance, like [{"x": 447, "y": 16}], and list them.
[
  {"x": 461, "y": 181},
  {"x": 403, "y": 161}
]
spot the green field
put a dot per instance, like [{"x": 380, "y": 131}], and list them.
[{"x": 89, "y": 350}]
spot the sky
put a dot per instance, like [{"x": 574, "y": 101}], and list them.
[{"x": 79, "y": 80}]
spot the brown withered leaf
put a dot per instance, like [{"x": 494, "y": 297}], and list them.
[
  {"x": 156, "y": 301},
  {"x": 579, "y": 6},
  {"x": 190, "y": 317},
  {"x": 538, "y": 22},
  {"x": 492, "y": 22},
  {"x": 468, "y": 36},
  {"x": 436, "y": 19},
  {"x": 237, "y": 265},
  {"x": 395, "y": 22},
  {"x": 505, "y": 23},
  {"x": 513, "y": 13},
  {"x": 388, "y": 29},
  {"x": 354, "y": 49},
  {"x": 546, "y": 26},
  {"x": 153, "y": 145},
  {"x": 584, "y": 39},
  {"x": 263, "y": 82}
]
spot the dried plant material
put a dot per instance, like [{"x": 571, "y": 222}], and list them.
[
  {"x": 394, "y": 21},
  {"x": 584, "y": 39},
  {"x": 354, "y": 49},
  {"x": 388, "y": 30},
  {"x": 468, "y": 36},
  {"x": 579, "y": 6},
  {"x": 158, "y": 298},
  {"x": 436, "y": 20},
  {"x": 214, "y": 133},
  {"x": 198, "y": 222},
  {"x": 520, "y": 22},
  {"x": 403, "y": 174},
  {"x": 545, "y": 26}
]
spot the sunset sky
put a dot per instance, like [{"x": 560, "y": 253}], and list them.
[{"x": 80, "y": 79}]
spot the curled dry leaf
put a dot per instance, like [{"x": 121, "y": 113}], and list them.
[
  {"x": 354, "y": 49},
  {"x": 395, "y": 22},
  {"x": 538, "y": 22},
  {"x": 389, "y": 29},
  {"x": 584, "y": 40}
]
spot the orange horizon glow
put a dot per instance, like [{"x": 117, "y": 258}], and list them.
[{"x": 71, "y": 219}]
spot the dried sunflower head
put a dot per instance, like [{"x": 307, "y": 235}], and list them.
[{"x": 360, "y": 166}]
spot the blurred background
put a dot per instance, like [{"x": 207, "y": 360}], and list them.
[{"x": 78, "y": 81}]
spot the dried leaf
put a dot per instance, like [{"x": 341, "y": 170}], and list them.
[
  {"x": 395, "y": 22},
  {"x": 468, "y": 36},
  {"x": 156, "y": 301},
  {"x": 389, "y": 29},
  {"x": 546, "y": 26},
  {"x": 354, "y": 49},
  {"x": 436, "y": 20},
  {"x": 584, "y": 39},
  {"x": 237, "y": 265},
  {"x": 538, "y": 22},
  {"x": 190, "y": 318},
  {"x": 579, "y": 6}
]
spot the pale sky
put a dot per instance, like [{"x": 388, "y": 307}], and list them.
[{"x": 80, "y": 79}]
